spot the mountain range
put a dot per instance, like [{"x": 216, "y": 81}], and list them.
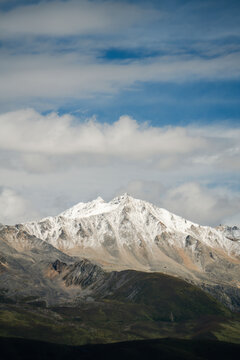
[
  {"x": 119, "y": 270},
  {"x": 128, "y": 233}
]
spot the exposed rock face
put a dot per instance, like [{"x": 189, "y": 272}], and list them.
[
  {"x": 125, "y": 233},
  {"x": 83, "y": 273},
  {"x": 230, "y": 232},
  {"x": 26, "y": 260}
]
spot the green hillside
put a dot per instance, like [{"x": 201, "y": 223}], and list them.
[{"x": 133, "y": 306}]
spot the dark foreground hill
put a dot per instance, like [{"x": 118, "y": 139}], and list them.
[
  {"x": 125, "y": 305},
  {"x": 164, "y": 349}
]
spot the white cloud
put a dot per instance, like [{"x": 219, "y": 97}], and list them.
[
  {"x": 72, "y": 160},
  {"x": 151, "y": 191},
  {"x": 13, "y": 207},
  {"x": 28, "y": 131},
  {"x": 40, "y": 141},
  {"x": 62, "y": 160},
  {"x": 51, "y": 76},
  {"x": 46, "y": 143},
  {"x": 36, "y": 68},
  {"x": 74, "y": 17},
  {"x": 233, "y": 220},
  {"x": 201, "y": 204}
]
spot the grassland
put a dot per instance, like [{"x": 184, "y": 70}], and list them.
[{"x": 162, "y": 307}]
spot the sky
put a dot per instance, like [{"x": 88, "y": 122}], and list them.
[{"x": 98, "y": 98}]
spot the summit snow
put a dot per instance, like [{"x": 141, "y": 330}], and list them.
[{"x": 125, "y": 222}]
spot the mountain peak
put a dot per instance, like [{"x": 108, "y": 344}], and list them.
[
  {"x": 122, "y": 199},
  {"x": 99, "y": 199},
  {"x": 97, "y": 206},
  {"x": 81, "y": 208}
]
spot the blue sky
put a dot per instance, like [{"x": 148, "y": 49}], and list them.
[
  {"x": 159, "y": 33},
  {"x": 168, "y": 66}
]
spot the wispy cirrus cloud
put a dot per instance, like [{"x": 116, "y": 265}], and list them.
[
  {"x": 64, "y": 18},
  {"x": 62, "y": 50},
  {"x": 72, "y": 77}
]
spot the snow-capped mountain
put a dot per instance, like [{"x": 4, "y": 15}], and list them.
[
  {"x": 126, "y": 221},
  {"x": 131, "y": 233},
  {"x": 128, "y": 233}
]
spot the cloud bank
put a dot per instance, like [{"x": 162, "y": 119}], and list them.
[
  {"x": 13, "y": 207},
  {"x": 31, "y": 134},
  {"x": 62, "y": 159}
]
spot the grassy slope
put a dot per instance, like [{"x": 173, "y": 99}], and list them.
[
  {"x": 147, "y": 306},
  {"x": 168, "y": 297}
]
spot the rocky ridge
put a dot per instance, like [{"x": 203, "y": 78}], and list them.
[{"x": 126, "y": 233}]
